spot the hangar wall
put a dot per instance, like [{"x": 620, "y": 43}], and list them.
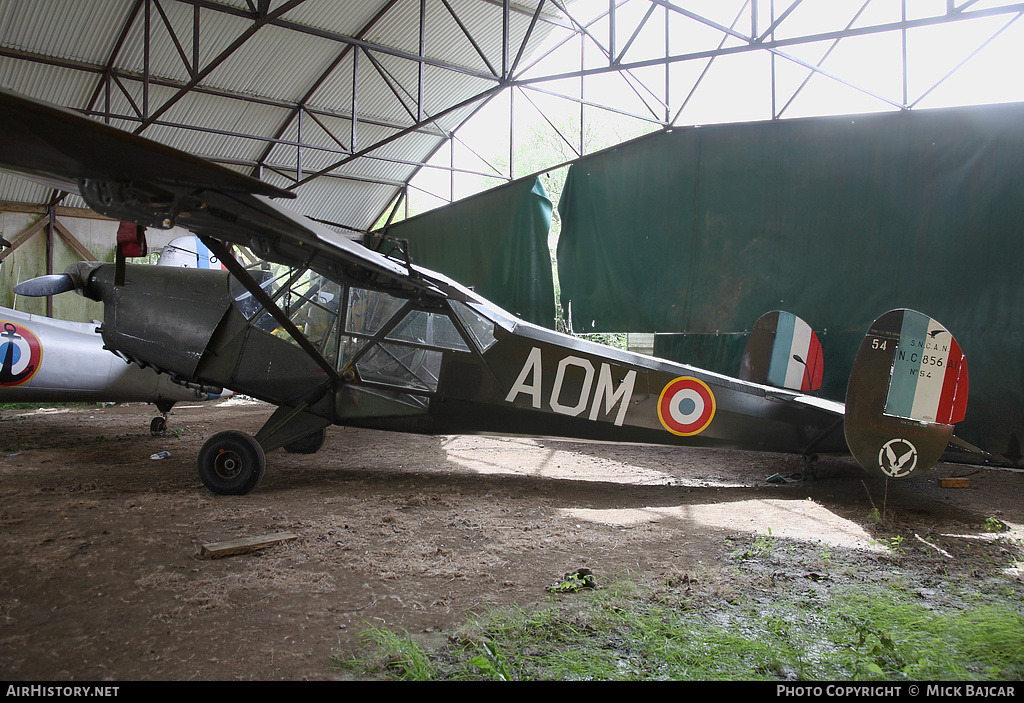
[
  {"x": 495, "y": 242},
  {"x": 702, "y": 230},
  {"x": 29, "y": 259}
]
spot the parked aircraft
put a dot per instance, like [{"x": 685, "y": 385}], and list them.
[
  {"x": 331, "y": 332},
  {"x": 79, "y": 369},
  {"x": 187, "y": 252},
  {"x": 48, "y": 360}
]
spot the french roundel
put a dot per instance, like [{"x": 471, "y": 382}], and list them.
[
  {"x": 20, "y": 354},
  {"x": 686, "y": 406}
]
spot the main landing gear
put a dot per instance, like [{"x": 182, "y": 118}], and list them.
[{"x": 231, "y": 463}]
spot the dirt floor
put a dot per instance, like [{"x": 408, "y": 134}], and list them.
[{"x": 102, "y": 576}]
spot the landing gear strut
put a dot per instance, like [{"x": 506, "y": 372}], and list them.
[
  {"x": 810, "y": 467},
  {"x": 159, "y": 424},
  {"x": 231, "y": 463}
]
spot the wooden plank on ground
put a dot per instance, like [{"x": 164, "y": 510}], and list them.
[{"x": 244, "y": 545}]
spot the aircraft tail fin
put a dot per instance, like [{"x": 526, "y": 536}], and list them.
[
  {"x": 783, "y": 351},
  {"x": 907, "y": 389}
]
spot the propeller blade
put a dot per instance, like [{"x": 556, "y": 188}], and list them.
[{"x": 42, "y": 286}]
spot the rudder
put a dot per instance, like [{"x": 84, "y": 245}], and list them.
[
  {"x": 907, "y": 388},
  {"x": 783, "y": 351}
]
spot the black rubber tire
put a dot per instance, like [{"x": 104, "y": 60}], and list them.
[
  {"x": 231, "y": 463},
  {"x": 310, "y": 444},
  {"x": 158, "y": 426}
]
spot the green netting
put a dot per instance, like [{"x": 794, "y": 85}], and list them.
[
  {"x": 496, "y": 242},
  {"x": 837, "y": 220}
]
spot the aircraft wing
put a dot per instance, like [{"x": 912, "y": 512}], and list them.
[
  {"x": 60, "y": 148},
  {"x": 129, "y": 178}
]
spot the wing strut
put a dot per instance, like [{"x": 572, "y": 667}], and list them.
[{"x": 243, "y": 277}]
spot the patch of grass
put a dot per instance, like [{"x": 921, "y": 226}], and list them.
[
  {"x": 390, "y": 655},
  {"x": 630, "y": 633},
  {"x": 491, "y": 662},
  {"x": 895, "y": 637},
  {"x": 760, "y": 549}
]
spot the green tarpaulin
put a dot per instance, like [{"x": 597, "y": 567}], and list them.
[
  {"x": 839, "y": 219},
  {"x": 496, "y": 242}
]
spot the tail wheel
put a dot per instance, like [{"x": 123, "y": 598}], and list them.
[
  {"x": 231, "y": 463},
  {"x": 310, "y": 444}
]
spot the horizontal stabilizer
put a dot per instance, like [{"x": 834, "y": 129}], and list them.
[
  {"x": 783, "y": 351},
  {"x": 907, "y": 388}
]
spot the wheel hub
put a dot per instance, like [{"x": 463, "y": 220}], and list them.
[{"x": 227, "y": 464}]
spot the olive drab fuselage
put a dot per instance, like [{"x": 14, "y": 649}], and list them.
[{"x": 438, "y": 366}]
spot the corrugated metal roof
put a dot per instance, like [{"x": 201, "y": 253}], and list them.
[
  {"x": 219, "y": 79},
  {"x": 233, "y": 94}
]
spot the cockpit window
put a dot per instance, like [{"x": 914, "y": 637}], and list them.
[
  {"x": 431, "y": 329},
  {"x": 369, "y": 310},
  {"x": 401, "y": 365},
  {"x": 269, "y": 279},
  {"x": 391, "y": 345},
  {"x": 479, "y": 326},
  {"x": 308, "y": 299}
]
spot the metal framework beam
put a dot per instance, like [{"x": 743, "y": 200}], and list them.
[{"x": 416, "y": 79}]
